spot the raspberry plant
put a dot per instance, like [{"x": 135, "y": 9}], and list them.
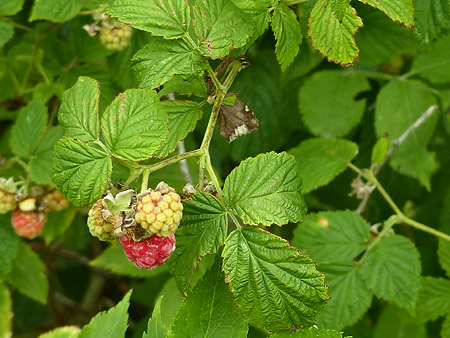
[{"x": 196, "y": 152}]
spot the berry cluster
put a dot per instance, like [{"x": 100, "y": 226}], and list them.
[
  {"x": 116, "y": 37},
  {"x": 145, "y": 223}
]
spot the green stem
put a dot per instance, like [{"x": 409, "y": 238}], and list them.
[
  {"x": 201, "y": 172},
  {"x": 378, "y": 76},
  {"x": 426, "y": 228},
  {"x": 134, "y": 174},
  {"x": 20, "y": 26},
  {"x": 390, "y": 222},
  {"x": 172, "y": 160},
  {"x": 213, "y": 77},
  {"x": 354, "y": 168},
  {"x": 371, "y": 178},
  {"x": 145, "y": 176},
  {"x": 213, "y": 176}
]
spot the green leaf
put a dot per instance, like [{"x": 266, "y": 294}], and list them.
[
  {"x": 28, "y": 274},
  {"x": 444, "y": 255},
  {"x": 431, "y": 16},
  {"x": 41, "y": 161},
  {"x": 156, "y": 328},
  {"x": 113, "y": 259},
  {"x": 111, "y": 323},
  {"x": 399, "y": 104},
  {"x": 332, "y": 236},
  {"x": 202, "y": 230},
  {"x": 379, "y": 150},
  {"x": 339, "y": 8},
  {"x": 167, "y": 18},
  {"x": 381, "y": 39},
  {"x": 6, "y": 32},
  {"x": 258, "y": 12},
  {"x": 434, "y": 65},
  {"x": 78, "y": 113},
  {"x": 157, "y": 62},
  {"x": 9, "y": 247},
  {"x": 29, "y": 128},
  {"x": 333, "y": 38},
  {"x": 133, "y": 125},
  {"x": 434, "y": 298},
  {"x": 350, "y": 297},
  {"x": 183, "y": 117},
  {"x": 445, "y": 331},
  {"x": 80, "y": 172},
  {"x": 220, "y": 26},
  {"x": 392, "y": 269},
  {"x": 327, "y": 102},
  {"x": 394, "y": 322},
  {"x": 266, "y": 190},
  {"x": 6, "y": 313},
  {"x": 11, "y": 7},
  {"x": 398, "y": 10},
  {"x": 308, "y": 333},
  {"x": 284, "y": 290},
  {"x": 57, "y": 223},
  {"x": 209, "y": 311},
  {"x": 55, "y": 10},
  {"x": 321, "y": 160},
  {"x": 194, "y": 86},
  {"x": 287, "y": 32},
  {"x": 62, "y": 332}
]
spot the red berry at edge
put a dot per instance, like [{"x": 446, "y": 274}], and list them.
[
  {"x": 148, "y": 253},
  {"x": 28, "y": 224}
]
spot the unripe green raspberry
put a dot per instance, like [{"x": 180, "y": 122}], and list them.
[
  {"x": 159, "y": 212},
  {"x": 7, "y": 201},
  {"x": 55, "y": 200},
  {"x": 116, "y": 38},
  {"x": 102, "y": 225}
]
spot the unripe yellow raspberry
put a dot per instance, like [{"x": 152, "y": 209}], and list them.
[{"x": 159, "y": 212}]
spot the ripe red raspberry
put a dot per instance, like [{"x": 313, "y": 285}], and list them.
[
  {"x": 55, "y": 200},
  {"x": 7, "y": 201},
  {"x": 102, "y": 224},
  {"x": 117, "y": 37},
  {"x": 148, "y": 253},
  {"x": 159, "y": 212},
  {"x": 28, "y": 224}
]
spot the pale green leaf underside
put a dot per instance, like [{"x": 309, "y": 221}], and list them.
[
  {"x": 434, "y": 65},
  {"x": 266, "y": 190},
  {"x": 321, "y": 160},
  {"x": 431, "y": 16},
  {"x": 398, "y": 10},
  {"x": 183, "y": 117},
  {"x": 29, "y": 128},
  {"x": 28, "y": 274},
  {"x": 78, "y": 113},
  {"x": 392, "y": 270},
  {"x": 433, "y": 300},
  {"x": 6, "y": 32},
  {"x": 155, "y": 327},
  {"x": 399, "y": 104},
  {"x": 272, "y": 283},
  {"x": 332, "y": 236},
  {"x": 112, "y": 323},
  {"x": 6, "y": 313},
  {"x": 209, "y": 311},
  {"x": 202, "y": 230},
  {"x": 287, "y": 32},
  {"x": 55, "y": 10},
  {"x": 220, "y": 27},
  {"x": 334, "y": 39},
  {"x": 62, "y": 332},
  {"x": 350, "y": 297},
  {"x": 328, "y": 105},
  {"x": 157, "y": 62},
  {"x": 113, "y": 259},
  {"x": 133, "y": 125},
  {"x": 81, "y": 172},
  {"x": 166, "y": 18}
]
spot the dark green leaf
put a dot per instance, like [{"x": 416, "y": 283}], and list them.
[
  {"x": 133, "y": 125},
  {"x": 431, "y": 16},
  {"x": 202, "y": 230},
  {"x": 29, "y": 128},
  {"x": 57, "y": 223},
  {"x": 6, "y": 32},
  {"x": 266, "y": 190},
  {"x": 392, "y": 269},
  {"x": 80, "y": 172},
  {"x": 156, "y": 328},
  {"x": 9, "y": 247},
  {"x": 284, "y": 288},
  {"x": 321, "y": 160},
  {"x": 11, "y": 7},
  {"x": 434, "y": 298},
  {"x": 444, "y": 255},
  {"x": 55, "y": 10},
  {"x": 28, "y": 274},
  {"x": 332, "y": 236},
  {"x": 308, "y": 333},
  {"x": 209, "y": 311},
  {"x": 328, "y": 105},
  {"x": 394, "y": 322}
]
